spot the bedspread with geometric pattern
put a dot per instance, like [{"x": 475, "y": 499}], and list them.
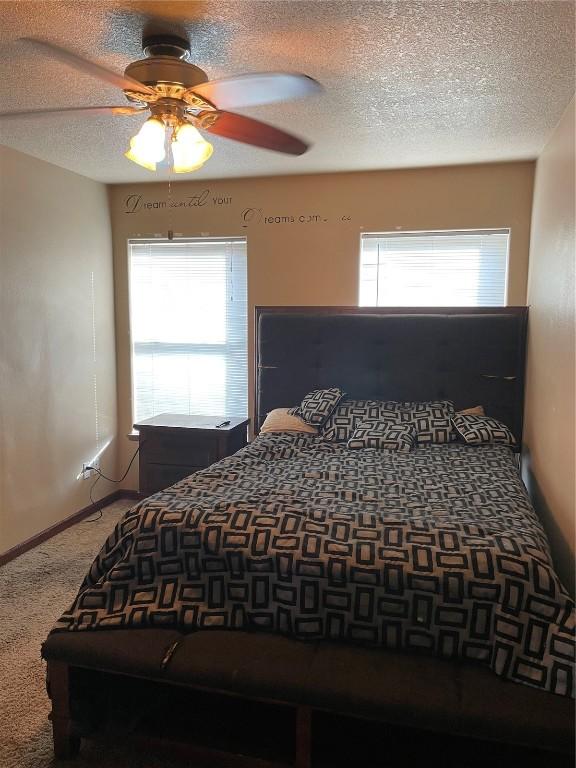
[{"x": 436, "y": 550}]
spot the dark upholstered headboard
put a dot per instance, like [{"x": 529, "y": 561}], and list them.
[{"x": 470, "y": 355}]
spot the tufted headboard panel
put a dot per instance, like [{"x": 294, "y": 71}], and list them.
[{"x": 470, "y": 355}]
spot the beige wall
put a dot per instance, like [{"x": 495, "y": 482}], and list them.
[
  {"x": 304, "y": 231},
  {"x": 549, "y": 433},
  {"x": 57, "y": 358}
]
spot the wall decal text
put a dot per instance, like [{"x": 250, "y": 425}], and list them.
[
  {"x": 258, "y": 216},
  {"x": 135, "y": 203}
]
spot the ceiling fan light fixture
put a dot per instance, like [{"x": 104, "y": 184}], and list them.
[
  {"x": 189, "y": 149},
  {"x": 131, "y": 155},
  {"x": 148, "y": 146}
]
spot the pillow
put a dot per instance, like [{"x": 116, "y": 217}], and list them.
[
  {"x": 350, "y": 413},
  {"x": 432, "y": 419},
  {"x": 477, "y": 430},
  {"x": 388, "y": 437},
  {"x": 317, "y": 406},
  {"x": 281, "y": 420},
  {"x": 478, "y": 410},
  {"x": 419, "y": 405}
]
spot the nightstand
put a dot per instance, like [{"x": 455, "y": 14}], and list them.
[{"x": 173, "y": 446}]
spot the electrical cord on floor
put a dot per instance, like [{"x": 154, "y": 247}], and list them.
[{"x": 101, "y": 475}]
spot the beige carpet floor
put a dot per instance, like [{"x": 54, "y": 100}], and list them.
[{"x": 34, "y": 589}]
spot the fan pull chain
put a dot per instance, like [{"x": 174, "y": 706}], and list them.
[{"x": 170, "y": 232}]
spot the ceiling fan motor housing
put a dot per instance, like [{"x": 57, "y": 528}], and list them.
[{"x": 166, "y": 69}]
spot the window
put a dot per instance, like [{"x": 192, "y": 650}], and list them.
[
  {"x": 434, "y": 269},
  {"x": 188, "y": 318}
]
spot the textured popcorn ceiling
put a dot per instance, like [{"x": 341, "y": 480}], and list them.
[{"x": 407, "y": 84}]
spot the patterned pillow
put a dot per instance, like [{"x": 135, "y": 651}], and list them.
[
  {"x": 432, "y": 419},
  {"x": 387, "y": 437},
  {"x": 317, "y": 406},
  {"x": 477, "y": 430},
  {"x": 420, "y": 405},
  {"x": 350, "y": 413}
]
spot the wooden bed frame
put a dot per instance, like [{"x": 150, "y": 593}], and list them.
[{"x": 471, "y": 356}]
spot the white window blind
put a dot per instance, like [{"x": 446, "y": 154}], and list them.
[
  {"x": 434, "y": 269},
  {"x": 188, "y": 318}
]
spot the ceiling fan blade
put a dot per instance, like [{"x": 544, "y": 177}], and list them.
[
  {"x": 90, "y": 67},
  {"x": 249, "y": 131},
  {"x": 76, "y": 110},
  {"x": 258, "y": 88}
]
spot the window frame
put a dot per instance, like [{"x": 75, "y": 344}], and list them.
[{"x": 408, "y": 232}]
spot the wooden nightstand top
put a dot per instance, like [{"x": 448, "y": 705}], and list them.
[{"x": 198, "y": 422}]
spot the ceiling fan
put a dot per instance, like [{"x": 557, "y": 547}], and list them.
[{"x": 182, "y": 100}]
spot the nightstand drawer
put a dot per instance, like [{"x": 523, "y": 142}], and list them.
[
  {"x": 160, "y": 476},
  {"x": 188, "y": 449}
]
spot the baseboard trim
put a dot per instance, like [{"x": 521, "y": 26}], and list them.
[
  {"x": 47, "y": 533},
  {"x": 126, "y": 493}
]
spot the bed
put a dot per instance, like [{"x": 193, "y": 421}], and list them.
[{"x": 302, "y": 573}]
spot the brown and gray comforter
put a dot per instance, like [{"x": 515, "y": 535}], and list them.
[{"x": 438, "y": 550}]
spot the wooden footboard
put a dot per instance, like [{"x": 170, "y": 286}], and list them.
[
  {"x": 65, "y": 737},
  {"x": 294, "y": 686}
]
